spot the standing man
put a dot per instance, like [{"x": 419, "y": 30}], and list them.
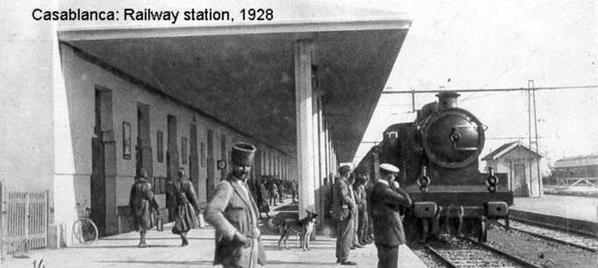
[
  {"x": 142, "y": 203},
  {"x": 187, "y": 207},
  {"x": 386, "y": 200},
  {"x": 355, "y": 211},
  {"x": 363, "y": 212},
  {"x": 232, "y": 211},
  {"x": 342, "y": 207}
]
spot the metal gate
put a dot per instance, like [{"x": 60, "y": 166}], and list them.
[{"x": 24, "y": 220}]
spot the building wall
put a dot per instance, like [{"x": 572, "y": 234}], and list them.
[
  {"x": 26, "y": 108},
  {"x": 506, "y": 164},
  {"x": 74, "y": 167}
]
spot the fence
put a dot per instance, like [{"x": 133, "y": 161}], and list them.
[{"x": 24, "y": 219}]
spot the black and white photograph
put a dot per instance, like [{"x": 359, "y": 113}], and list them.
[{"x": 299, "y": 133}]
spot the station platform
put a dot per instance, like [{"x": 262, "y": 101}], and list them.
[
  {"x": 165, "y": 251},
  {"x": 575, "y": 213}
]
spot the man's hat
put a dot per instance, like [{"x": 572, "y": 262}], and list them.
[
  {"x": 344, "y": 169},
  {"x": 242, "y": 154},
  {"x": 141, "y": 173},
  {"x": 390, "y": 168}
]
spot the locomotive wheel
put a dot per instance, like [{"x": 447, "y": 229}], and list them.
[{"x": 483, "y": 236}]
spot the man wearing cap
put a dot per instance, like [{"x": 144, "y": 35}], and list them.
[
  {"x": 342, "y": 206},
  {"x": 232, "y": 211},
  {"x": 386, "y": 200}
]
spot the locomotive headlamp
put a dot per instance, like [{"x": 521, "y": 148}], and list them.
[{"x": 491, "y": 181}]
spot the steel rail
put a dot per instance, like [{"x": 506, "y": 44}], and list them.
[
  {"x": 439, "y": 255},
  {"x": 500, "y": 252},
  {"x": 548, "y": 237}
]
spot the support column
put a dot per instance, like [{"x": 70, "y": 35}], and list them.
[{"x": 305, "y": 137}]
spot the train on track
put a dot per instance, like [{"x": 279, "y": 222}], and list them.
[{"x": 438, "y": 157}]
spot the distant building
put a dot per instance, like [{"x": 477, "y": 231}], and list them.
[
  {"x": 577, "y": 170},
  {"x": 521, "y": 165}
]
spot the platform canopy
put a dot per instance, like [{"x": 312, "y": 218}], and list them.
[{"x": 243, "y": 75}]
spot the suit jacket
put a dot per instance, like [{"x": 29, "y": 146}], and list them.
[
  {"x": 385, "y": 204},
  {"x": 342, "y": 201},
  {"x": 230, "y": 211},
  {"x": 360, "y": 196}
]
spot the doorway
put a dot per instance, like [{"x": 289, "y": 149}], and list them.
[
  {"x": 143, "y": 149},
  {"x": 103, "y": 162}
]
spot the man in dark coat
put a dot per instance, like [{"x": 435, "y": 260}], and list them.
[
  {"x": 342, "y": 207},
  {"x": 232, "y": 211},
  {"x": 142, "y": 203},
  {"x": 187, "y": 207},
  {"x": 386, "y": 200}
]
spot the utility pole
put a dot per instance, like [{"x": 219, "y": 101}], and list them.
[
  {"x": 540, "y": 183},
  {"x": 530, "y": 85}
]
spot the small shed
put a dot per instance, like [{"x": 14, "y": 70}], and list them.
[
  {"x": 522, "y": 166},
  {"x": 578, "y": 170}
]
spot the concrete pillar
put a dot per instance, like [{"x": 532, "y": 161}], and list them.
[
  {"x": 305, "y": 136},
  {"x": 327, "y": 150}
]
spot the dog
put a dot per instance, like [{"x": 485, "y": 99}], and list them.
[{"x": 302, "y": 229}]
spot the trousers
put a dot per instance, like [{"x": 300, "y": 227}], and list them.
[
  {"x": 388, "y": 256},
  {"x": 345, "y": 233}
]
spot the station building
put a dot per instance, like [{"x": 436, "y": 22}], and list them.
[
  {"x": 521, "y": 165},
  {"x": 85, "y": 105}
]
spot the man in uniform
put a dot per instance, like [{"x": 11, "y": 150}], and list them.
[
  {"x": 232, "y": 211},
  {"x": 342, "y": 207},
  {"x": 385, "y": 200}
]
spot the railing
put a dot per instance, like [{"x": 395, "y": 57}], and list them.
[
  {"x": 24, "y": 219},
  {"x": 588, "y": 181}
]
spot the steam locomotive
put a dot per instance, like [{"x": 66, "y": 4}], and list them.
[{"x": 438, "y": 159}]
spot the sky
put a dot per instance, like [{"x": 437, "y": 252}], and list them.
[{"x": 501, "y": 44}]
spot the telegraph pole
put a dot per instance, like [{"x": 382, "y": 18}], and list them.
[
  {"x": 540, "y": 183},
  {"x": 530, "y": 86}
]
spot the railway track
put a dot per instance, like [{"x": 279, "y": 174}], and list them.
[
  {"x": 563, "y": 237},
  {"x": 470, "y": 253}
]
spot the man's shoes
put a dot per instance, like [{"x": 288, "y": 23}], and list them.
[{"x": 345, "y": 262}]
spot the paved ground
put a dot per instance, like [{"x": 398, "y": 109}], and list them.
[
  {"x": 165, "y": 251},
  {"x": 573, "y": 207}
]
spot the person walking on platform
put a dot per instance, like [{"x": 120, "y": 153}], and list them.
[
  {"x": 386, "y": 200},
  {"x": 187, "y": 207},
  {"x": 342, "y": 207},
  {"x": 233, "y": 213},
  {"x": 263, "y": 199},
  {"x": 273, "y": 193},
  {"x": 170, "y": 198},
  {"x": 281, "y": 189},
  {"x": 142, "y": 203}
]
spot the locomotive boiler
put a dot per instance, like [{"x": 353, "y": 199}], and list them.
[{"x": 438, "y": 157}]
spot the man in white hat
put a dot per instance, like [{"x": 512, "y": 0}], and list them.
[{"x": 386, "y": 200}]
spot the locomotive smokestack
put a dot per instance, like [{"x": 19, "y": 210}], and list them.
[{"x": 447, "y": 99}]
